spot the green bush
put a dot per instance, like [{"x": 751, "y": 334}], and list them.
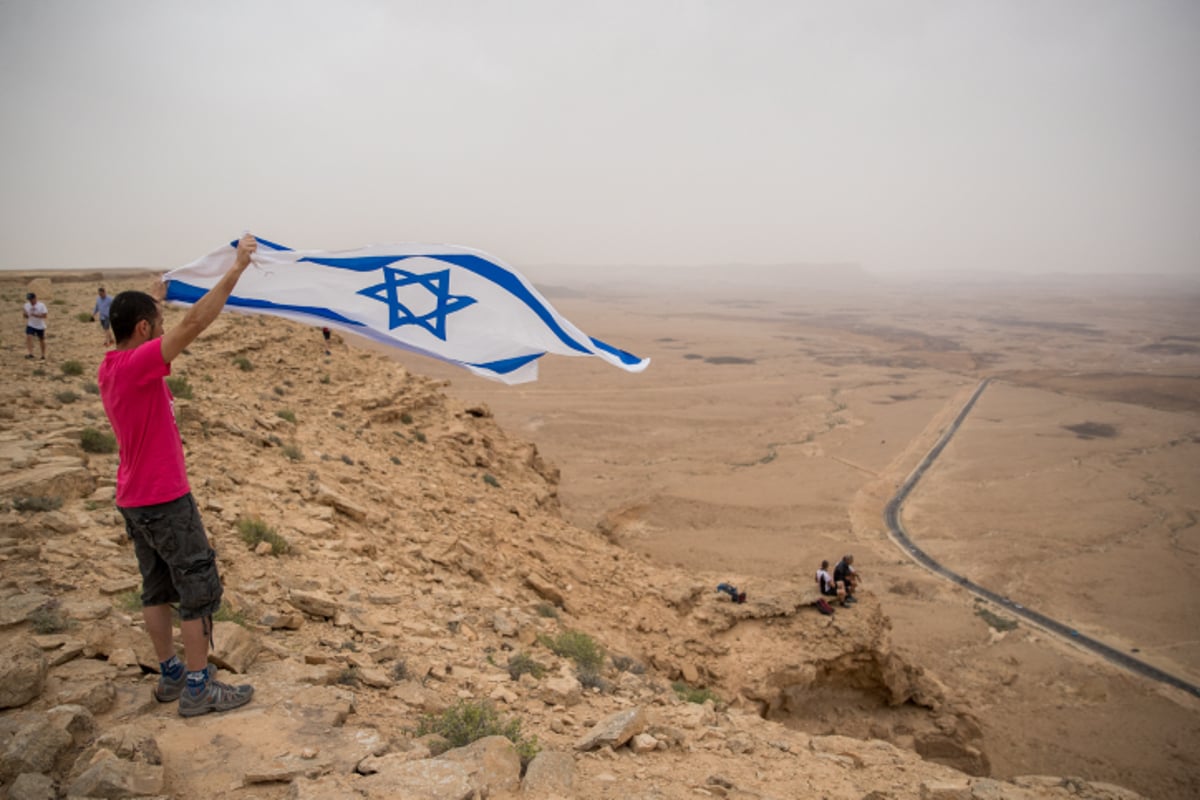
[
  {"x": 400, "y": 671},
  {"x": 72, "y": 368},
  {"x": 284, "y": 413},
  {"x": 130, "y": 601},
  {"x": 66, "y": 396},
  {"x": 628, "y": 664},
  {"x": 577, "y": 646},
  {"x": 243, "y": 363},
  {"x": 468, "y": 721},
  {"x": 293, "y": 452},
  {"x": 91, "y": 388},
  {"x": 83, "y": 316},
  {"x": 694, "y": 695},
  {"x": 49, "y": 619},
  {"x": 547, "y": 610},
  {"x": 179, "y": 386},
  {"x": 490, "y": 480},
  {"x": 226, "y": 613},
  {"x": 406, "y": 417},
  {"x": 94, "y": 441},
  {"x": 254, "y": 531},
  {"x": 325, "y": 378},
  {"x": 419, "y": 436},
  {"x": 37, "y": 503},
  {"x": 523, "y": 663},
  {"x": 995, "y": 620}
]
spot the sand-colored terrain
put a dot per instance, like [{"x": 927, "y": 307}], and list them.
[{"x": 770, "y": 433}]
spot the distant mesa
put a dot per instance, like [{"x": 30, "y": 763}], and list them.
[
  {"x": 719, "y": 359},
  {"x": 1092, "y": 430},
  {"x": 1169, "y": 348}
]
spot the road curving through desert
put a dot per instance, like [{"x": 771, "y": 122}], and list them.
[{"x": 891, "y": 517}]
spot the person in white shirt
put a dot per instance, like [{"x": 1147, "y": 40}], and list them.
[{"x": 35, "y": 324}]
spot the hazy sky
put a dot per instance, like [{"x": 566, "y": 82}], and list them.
[{"x": 1015, "y": 135}]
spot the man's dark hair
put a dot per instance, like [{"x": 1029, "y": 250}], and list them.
[{"x": 128, "y": 309}]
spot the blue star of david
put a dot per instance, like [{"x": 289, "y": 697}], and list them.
[{"x": 438, "y": 284}]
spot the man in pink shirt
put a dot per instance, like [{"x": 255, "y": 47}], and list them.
[{"x": 153, "y": 495}]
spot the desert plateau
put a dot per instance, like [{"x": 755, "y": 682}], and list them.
[{"x": 441, "y": 530}]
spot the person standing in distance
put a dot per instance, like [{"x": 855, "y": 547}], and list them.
[
  {"x": 35, "y": 324},
  {"x": 101, "y": 310},
  {"x": 174, "y": 556}
]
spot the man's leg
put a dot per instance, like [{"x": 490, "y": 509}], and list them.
[
  {"x": 42, "y": 339},
  {"x": 158, "y": 625},
  {"x": 195, "y": 644},
  {"x": 29, "y": 343}
]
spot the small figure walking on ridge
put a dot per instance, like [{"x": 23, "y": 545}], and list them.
[
  {"x": 35, "y": 324},
  {"x": 103, "y": 304}
]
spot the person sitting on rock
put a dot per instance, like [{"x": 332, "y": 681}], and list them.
[
  {"x": 825, "y": 581},
  {"x": 845, "y": 580}
]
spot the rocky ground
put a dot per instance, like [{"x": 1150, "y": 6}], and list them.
[{"x": 421, "y": 561}]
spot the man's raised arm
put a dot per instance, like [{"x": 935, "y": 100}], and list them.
[{"x": 206, "y": 309}]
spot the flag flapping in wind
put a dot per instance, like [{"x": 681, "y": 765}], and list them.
[{"x": 451, "y": 303}]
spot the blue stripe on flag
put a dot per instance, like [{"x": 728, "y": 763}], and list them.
[
  {"x": 507, "y": 365},
  {"x": 187, "y": 293},
  {"x": 268, "y": 244},
  {"x": 510, "y": 283},
  {"x": 625, "y": 358},
  {"x": 358, "y": 264}
]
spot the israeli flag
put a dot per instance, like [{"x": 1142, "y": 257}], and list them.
[{"x": 451, "y": 303}]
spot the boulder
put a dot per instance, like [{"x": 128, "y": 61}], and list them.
[
  {"x": 550, "y": 773},
  {"x": 561, "y": 691},
  {"x": 316, "y": 604},
  {"x": 492, "y": 764},
  {"x": 109, "y": 776},
  {"x": 235, "y": 648},
  {"x": 32, "y": 786},
  {"x": 429, "y": 779},
  {"x": 35, "y": 747},
  {"x": 614, "y": 730},
  {"x": 16, "y": 609},
  {"x": 22, "y": 672}
]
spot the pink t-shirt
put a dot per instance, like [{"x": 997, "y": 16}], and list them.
[{"x": 141, "y": 411}]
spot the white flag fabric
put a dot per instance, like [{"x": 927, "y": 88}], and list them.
[{"x": 451, "y": 303}]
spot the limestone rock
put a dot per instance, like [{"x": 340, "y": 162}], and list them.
[
  {"x": 236, "y": 648},
  {"x": 16, "y": 609},
  {"x": 316, "y": 604},
  {"x": 561, "y": 691},
  {"x": 545, "y": 589},
  {"x": 429, "y": 779},
  {"x": 550, "y": 773},
  {"x": 326, "y": 496},
  {"x": 492, "y": 764},
  {"x": 614, "y": 730},
  {"x": 59, "y": 476},
  {"x": 109, "y": 776},
  {"x": 643, "y": 743},
  {"x": 34, "y": 748},
  {"x": 32, "y": 786},
  {"x": 22, "y": 672}
]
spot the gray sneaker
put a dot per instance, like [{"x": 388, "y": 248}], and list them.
[
  {"x": 216, "y": 696},
  {"x": 168, "y": 691}
]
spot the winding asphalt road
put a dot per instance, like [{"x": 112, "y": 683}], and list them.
[{"x": 891, "y": 516}]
